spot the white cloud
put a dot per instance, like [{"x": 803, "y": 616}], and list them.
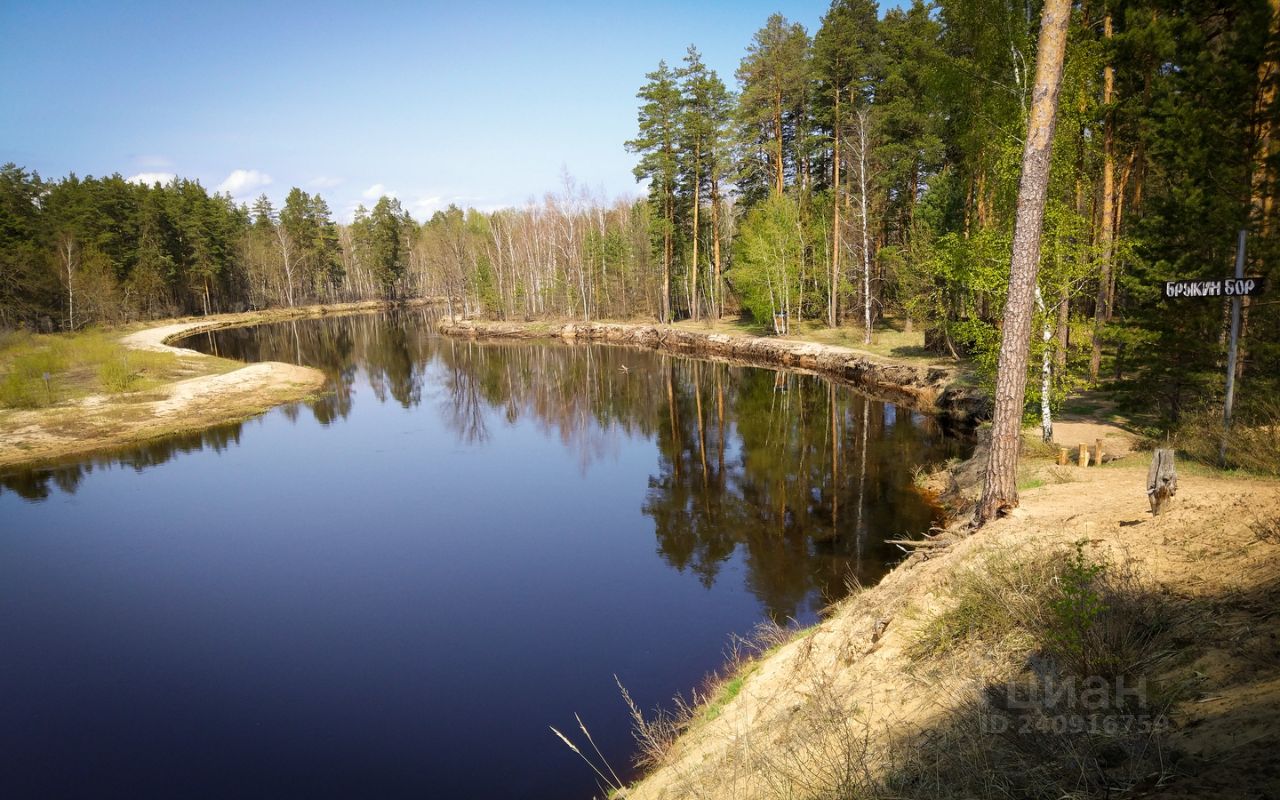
[
  {"x": 148, "y": 178},
  {"x": 424, "y": 207},
  {"x": 325, "y": 182},
  {"x": 153, "y": 162},
  {"x": 242, "y": 182},
  {"x": 376, "y": 191}
]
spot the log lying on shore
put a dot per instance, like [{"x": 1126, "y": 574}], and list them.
[{"x": 926, "y": 387}]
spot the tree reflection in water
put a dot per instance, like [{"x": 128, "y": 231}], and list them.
[{"x": 804, "y": 478}]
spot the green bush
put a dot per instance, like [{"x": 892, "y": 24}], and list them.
[
  {"x": 1074, "y": 608},
  {"x": 18, "y": 391}
]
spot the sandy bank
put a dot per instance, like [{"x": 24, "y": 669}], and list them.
[
  {"x": 851, "y": 708},
  {"x": 99, "y": 422},
  {"x": 926, "y": 387}
]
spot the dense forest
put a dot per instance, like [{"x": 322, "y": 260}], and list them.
[{"x": 864, "y": 174}]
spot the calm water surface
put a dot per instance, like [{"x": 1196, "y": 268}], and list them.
[{"x": 394, "y": 591}]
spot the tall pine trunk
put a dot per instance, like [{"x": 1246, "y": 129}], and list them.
[
  {"x": 778, "y": 178},
  {"x": 1000, "y": 486},
  {"x": 697, "y": 201},
  {"x": 1106, "y": 226},
  {"x": 833, "y": 312}
]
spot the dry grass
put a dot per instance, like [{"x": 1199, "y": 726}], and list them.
[
  {"x": 657, "y": 732},
  {"x": 1253, "y": 444},
  {"x": 1092, "y": 617},
  {"x": 1059, "y": 621},
  {"x": 1023, "y": 629},
  {"x": 1266, "y": 529},
  {"x": 949, "y": 679}
]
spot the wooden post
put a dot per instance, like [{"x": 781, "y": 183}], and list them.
[
  {"x": 1063, "y": 455},
  {"x": 1232, "y": 351},
  {"x": 1084, "y": 454},
  {"x": 1097, "y": 453}
]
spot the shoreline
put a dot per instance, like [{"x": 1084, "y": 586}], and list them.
[
  {"x": 931, "y": 388},
  {"x": 89, "y": 425}
]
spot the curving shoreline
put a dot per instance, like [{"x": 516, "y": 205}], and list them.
[
  {"x": 930, "y": 388},
  {"x": 102, "y": 422},
  {"x": 32, "y": 438}
]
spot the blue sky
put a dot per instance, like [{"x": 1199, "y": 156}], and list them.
[{"x": 481, "y": 103}]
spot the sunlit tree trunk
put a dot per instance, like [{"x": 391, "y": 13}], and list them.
[
  {"x": 778, "y": 178},
  {"x": 717, "y": 299},
  {"x": 1046, "y": 372},
  {"x": 1000, "y": 484},
  {"x": 68, "y": 257},
  {"x": 863, "y": 184},
  {"x": 833, "y": 312},
  {"x": 697, "y": 203},
  {"x": 285, "y": 243},
  {"x": 1106, "y": 226}
]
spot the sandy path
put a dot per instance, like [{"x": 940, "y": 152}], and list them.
[{"x": 154, "y": 339}]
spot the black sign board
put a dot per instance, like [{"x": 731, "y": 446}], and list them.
[{"x": 1223, "y": 287}]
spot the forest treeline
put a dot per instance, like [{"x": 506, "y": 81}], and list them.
[{"x": 866, "y": 171}]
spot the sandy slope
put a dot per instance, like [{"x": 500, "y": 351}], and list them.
[{"x": 848, "y": 683}]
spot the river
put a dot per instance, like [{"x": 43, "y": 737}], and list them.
[{"x": 395, "y": 590}]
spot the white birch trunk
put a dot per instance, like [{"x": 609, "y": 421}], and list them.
[
  {"x": 866, "y": 236},
  {"x": 1046, "y": 371}
]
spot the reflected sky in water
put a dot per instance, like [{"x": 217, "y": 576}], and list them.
[{"x": 394, "y": 590}]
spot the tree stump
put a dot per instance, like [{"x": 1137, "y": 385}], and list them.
[
  {"x": 1084, "y": 454},
  {"x": 1063, "y": 455},
  {"x": 1097, "y": 453},
  {"x": 1162, "y": 480}
]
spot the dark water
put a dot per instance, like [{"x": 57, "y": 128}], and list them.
[{"x": 394, "y": 591}]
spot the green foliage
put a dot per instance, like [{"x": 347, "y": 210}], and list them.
[
  {"x": 1188, "y": 138},
  {"x": 19, "y": 392},
  {"x": 384, "y": 242},
  {"x": 1075, "y": 607},
  {"x": 728, "y": 690},
  {"x": 767, "y": 259},
  {"x": 305, "y": 220},
  {"x": 772, "y": 108},
  {"x": 75, "y": 364}
]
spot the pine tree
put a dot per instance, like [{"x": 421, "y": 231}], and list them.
[
  {"x": 703, "y": 133},
  {"x": 845, "y": 52},
  {"x": 774, "y": 76},
  {"x": 657, "y": 142},
  {"x": 1000, "y": 484}
]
